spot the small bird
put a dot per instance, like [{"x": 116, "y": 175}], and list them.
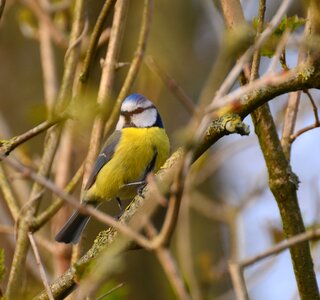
[{"x": 138, "y": 146}]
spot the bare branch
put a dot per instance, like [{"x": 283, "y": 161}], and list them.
[
  {"x": 46, "y": 215},
  {"x": 294, "y": 240},
  {"x": 75, "y": 203},
  {"x": 51, "y": 144},
  {"x": 238, "y": 281},
  {"x": 310, "y": 127},
  {"x": 48, "y": 63},
  {"x": 172, "y": 85},
  {"x": 314, "y": 107},
  {"x": 40, "y": 266},
  {"x": 57, "y": 36},
  {"x": 293, "y": 105},
  {"x": 8, "y": 195},
  {"x": 107, "y": 81},
  {"x": 6, "y": 146},
  {"x": 169, "y": 265},
  {"x": 94, "y": 39},
  {"x": 2, "y": 5},
  {"x": 134, "y": 66}
]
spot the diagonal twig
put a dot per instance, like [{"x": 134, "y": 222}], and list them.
[
  {"x": 40, "y": 266},
  {"x": 6, "y": 146}
]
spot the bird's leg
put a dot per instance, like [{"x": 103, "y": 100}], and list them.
[
  {"x": 140, "y": 189},
  {"x": 120, "y": 208},
  {"x": 140, "y": 186}
]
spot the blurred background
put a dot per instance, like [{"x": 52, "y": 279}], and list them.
[{"x": 185, "y": 39}]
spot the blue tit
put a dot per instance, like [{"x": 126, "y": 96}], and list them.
[{"x": 139, "y": 145}]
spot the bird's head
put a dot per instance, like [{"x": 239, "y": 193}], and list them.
[{"x": 138, "y": 111}]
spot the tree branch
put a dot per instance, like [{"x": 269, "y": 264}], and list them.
[
  {"x": 2, "y": 5},
  {"x": 134, "y": 66},
  {"x": 52, "y": 139},
  {"x": 283, "y": 185},
  {"x": 6, "y": 146}
]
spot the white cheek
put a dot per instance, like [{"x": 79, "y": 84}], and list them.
[
  {"x": 120, "y": 123},
  {"x": 145, "y": 119}
]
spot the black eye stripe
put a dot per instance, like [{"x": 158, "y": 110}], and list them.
[{"x": 136, "y": 111}]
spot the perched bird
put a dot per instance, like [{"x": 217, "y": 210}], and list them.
[{"x": 138, "y": 146}]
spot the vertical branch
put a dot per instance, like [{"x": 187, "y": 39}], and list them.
[
  {"x": 62, "y": 254},
  {"x": 106, "y": 83},
  {"x": 184, "y": 245},
  {"x": 44, "y": 216},
  {"x": 50, "y": 82},
  {"x": 105, "y": 91},
  {"x": 52, "y": 140},
  {"x": 283, "y": 184},
  {"x": 169, "y": 266},
  {"x": 2, "y": 5},
  {"x": 313, "y": 29},
  {"x": 98, "y": 28},
  {"x": 50, "y": 90},
  {"x": 290, "y": 122},
  {"x": 238, "y": 281},
  {"x": 294, "y": 99},
  {"x": 8, "y": 194},
  {"x": 135, "y": 64},
  {"x": 232, "y": 13},
  {"x": 40, "y": 266}
]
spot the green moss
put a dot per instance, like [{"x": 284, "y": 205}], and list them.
[{"x": 306, "y": 73}]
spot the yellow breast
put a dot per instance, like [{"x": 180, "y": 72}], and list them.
[{"x": 134, "y": 152}]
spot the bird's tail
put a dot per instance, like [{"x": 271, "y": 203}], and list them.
[{"x": 72, "y": 230}]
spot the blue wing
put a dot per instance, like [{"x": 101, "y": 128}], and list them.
[{"x": 104, "y": 157}]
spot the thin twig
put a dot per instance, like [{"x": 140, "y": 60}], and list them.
[
  {"x": 172, "y": 85},
  {"x": 94, "y": 39},
  {"x": 40, "y": 266},
  {"x": 220, "y": 100},
  {"x": 279, "y": 51},
  {"x": 51, "y": 144},
  {"x": 6, "y": 146},
  {"x": 238, "y": 281},
  {"x": 302, "y": 237},
  {"x": 104, "y": 218},
  {"x": 120, "y": 285},
  {"x": 8, "y": 194},
  {"x": 290, "y": 122},
  {"x": 107, "y": 79},
  {"x": 293, "y": 101},
  {"x": 220, "y": 156},
  {"x": 78, "y": 40},
  {"x": 316, "y": 124},
  {"x": 169, "y": 265},
  {"x": 134, "y": 66},
  {"x": 234, "y": 73},
  {"x": 57, "y": 36},
  {"x": 170, "y": 221},
  {"x": 48, "y": 63},
  {"x": 46, "y": 215},
  {"x": 2, "y": 5},
  {"x": 57, "y": 7},
  {"x": 293, "y": 137},
  {"x": 185, "y": 247},
  {"x": 64, "y": 160},
  {"x": 266, "y": 81},
  {"x": 314, "y": 107}
]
